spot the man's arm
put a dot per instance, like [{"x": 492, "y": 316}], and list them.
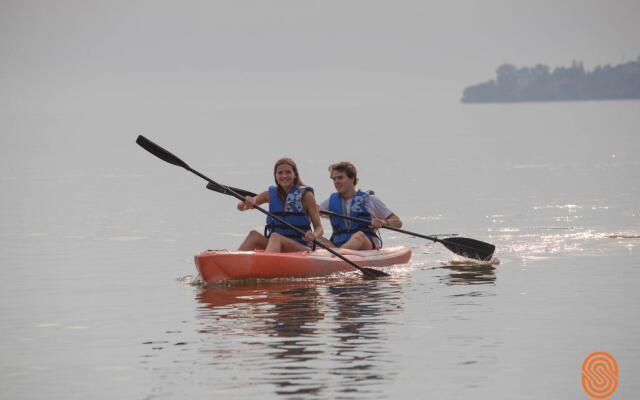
[
  {"x": 393, "y": 221},
  {"x": 382, "y": 215}
]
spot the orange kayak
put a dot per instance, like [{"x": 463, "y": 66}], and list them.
[{"x": 235, "y": 265}]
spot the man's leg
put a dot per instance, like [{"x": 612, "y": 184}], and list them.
[{"x": 358, "y": 241}]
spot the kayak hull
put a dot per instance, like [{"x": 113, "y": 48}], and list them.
[{"x": 238, "y": 265}]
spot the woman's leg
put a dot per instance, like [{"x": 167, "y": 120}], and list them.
[
  {"x": 282, "y": 244},
  {"x": 254, "y": 241},
  {"x": 358, "y": 241}
]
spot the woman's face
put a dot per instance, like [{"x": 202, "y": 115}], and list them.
[{"x": 285, "y": 175}]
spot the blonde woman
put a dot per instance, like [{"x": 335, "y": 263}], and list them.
[{"x": 290, "y": 200}]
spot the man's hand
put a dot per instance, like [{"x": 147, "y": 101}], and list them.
[{"x": 377, "y": 223}]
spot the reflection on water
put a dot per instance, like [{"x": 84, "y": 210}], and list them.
[
  {"x": 360, "y": 308},
  {"x": 470, "y": 274},
  {"x": 300, "y": 338}
]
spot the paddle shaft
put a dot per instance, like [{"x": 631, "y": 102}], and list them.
[
  {"x": 432, "y": 238},
  {"x": 165, "y": 155},
  {"x": 364, "y": 221},
  {"x": 230, "y": 190},
  {"x": 465, "y": 247},
  {"x": 243, "y": 192}
]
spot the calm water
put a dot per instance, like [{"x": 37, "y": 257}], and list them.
[{"x": 96, "y": 234}]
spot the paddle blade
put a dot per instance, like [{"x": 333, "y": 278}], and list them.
[
  {"x": 223, "y": 189},
  {"x": 159, "y": 152},
  {"x": 469, "y": 248},
  {"x": 370, "y": 273}
]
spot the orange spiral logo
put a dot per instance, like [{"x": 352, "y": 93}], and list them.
[{"x": 599, "y": 375}]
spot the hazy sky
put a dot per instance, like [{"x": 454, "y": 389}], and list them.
[{"x": 158, "y": 55}]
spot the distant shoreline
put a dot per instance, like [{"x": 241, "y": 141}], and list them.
[
  {"x": 546, "y": 101},
  {"x": 537, "y": 84}
]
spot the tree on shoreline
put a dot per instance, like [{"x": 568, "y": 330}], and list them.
[{"x": 537, "y": 83}]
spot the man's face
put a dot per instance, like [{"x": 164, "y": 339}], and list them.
[{"x": 342, "y": 182}]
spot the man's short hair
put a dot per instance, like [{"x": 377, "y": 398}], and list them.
[{"x": 346, "y": 167}]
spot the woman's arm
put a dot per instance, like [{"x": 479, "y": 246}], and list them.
[
  {"x": 249, "y": 201},
  {"x": 310, "y": 206}
]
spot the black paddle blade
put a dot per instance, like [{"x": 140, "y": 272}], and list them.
[
  {"x": 223, "y": 189},
  {"x": 469, "y": 248},
  {"x": 370, "y": 273},
  {"x": 159, "y": 152}
]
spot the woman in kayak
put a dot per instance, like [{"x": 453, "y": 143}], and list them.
[{"x": 290, "y": 200}]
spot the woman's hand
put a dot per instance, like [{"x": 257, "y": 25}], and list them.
[
  {"x": 309, "y": 236},
  {"x": 247, "y": 204},
  {"x": 377, "y": 223}
]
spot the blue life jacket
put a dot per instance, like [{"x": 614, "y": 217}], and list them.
[
  {"x": 343, "y": 229},
  {"x": 292, "y": 212}
]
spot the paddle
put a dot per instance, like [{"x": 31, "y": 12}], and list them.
[
  {"x": 465, "y": 247},
  {"x": 368, "y": 273},
  {"x": 462, "y": 246}
]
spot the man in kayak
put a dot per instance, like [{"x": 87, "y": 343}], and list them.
[
  {"x": 290, "y": 200},
  {"x": 347, "y": 200}
]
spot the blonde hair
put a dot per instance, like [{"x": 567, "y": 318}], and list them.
[{"x": 346, "y": 167}]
